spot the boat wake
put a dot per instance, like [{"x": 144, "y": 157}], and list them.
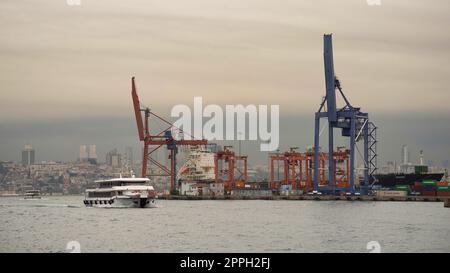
[{"x": 41, "y": 205}]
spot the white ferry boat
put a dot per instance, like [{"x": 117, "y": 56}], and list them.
[{"x": 121, "y": 193}]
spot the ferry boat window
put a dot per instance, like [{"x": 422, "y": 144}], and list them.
[
  {"x": 105, "y": 185},
  {"x": 100, "y": 194}
]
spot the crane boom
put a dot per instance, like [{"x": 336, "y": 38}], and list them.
[
  {"x": 329, "y": 77},
  {"x": 158, "y": 141},
  {"x": 137, "y": 111}
]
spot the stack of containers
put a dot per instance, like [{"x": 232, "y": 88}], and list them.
[
  {"x": 405, "y": 188},
  {"x": 421, "y": 169},
  {"x": 417, "y": 187},
  {"x": 442, "y": 188},
  {"x": 429, "y": 187}
]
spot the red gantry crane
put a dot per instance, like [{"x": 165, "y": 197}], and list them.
[
  {"x": 229, "y": 171},
  {"x": 153, "y": 142},
  {"x": 297, "y": 169}
]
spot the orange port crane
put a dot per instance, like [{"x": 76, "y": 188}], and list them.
[
  {"x": 297, "y": 169},
  {"x": 228, "y": 170},
  {"x": 156, "y": 141}
]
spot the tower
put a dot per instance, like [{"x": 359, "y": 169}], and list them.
[{"x": 28, "y": 155}]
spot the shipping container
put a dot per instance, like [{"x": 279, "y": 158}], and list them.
[
  {"x": 421, "y": 169},
  {"x": 391, "y": 193},
  {"x": 342, "y": 184},
  {"x": 240, "y": 184},
  {"x": 425, "y": 181},
  {"x": 443, "y": 193},
  {"x": 251, "y": 192},
  {"x": 429, "y": 188},
  {"x": 402, "y": 188},
  {"x": 296, "y": 192},
  {"x": 428, "y": 193},
  {"x": 291, "y": 192},
  {"x": 429, "y": 183}
]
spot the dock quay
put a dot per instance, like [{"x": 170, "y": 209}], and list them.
[{"x": 444, "y": 199}]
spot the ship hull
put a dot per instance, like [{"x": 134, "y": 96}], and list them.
[
  {"x": 391, "y": 180},
  {"x": 145, "y": 202}
]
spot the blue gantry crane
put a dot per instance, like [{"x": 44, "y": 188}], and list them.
[{"x": 353, "y": 123}]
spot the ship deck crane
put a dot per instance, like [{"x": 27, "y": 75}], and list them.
[
  {"x": 152, "y": 142},
  {"x": 353, "y": 123}
]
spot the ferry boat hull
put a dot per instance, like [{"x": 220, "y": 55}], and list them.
[
  {"x": 118, "y": 202},
  {"x": 32, "y": 197}
]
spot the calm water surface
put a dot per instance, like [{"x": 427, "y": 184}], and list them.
[{"x": 47, "y": 225}]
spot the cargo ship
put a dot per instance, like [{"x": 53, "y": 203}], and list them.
[
  {"x": 415, "y": 174},
  {"x": 197, "y": 175},
  {"x": 393, "y": 179}
]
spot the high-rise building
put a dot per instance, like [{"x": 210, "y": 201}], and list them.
[
  {"x": 92, "y": 154},
  {"x": 114, "y": 159},
  {"x": 129, "y": 157},
  {"x": 28, "y": 155},
  {"x": 406, "y": 166},
  {"x": 83, "y": 153},
  {"x": 405, "y": 155},
  {"x": 88, "y": 153}
]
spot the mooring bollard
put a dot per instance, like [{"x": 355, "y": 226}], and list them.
[{"x": 447, "y": 203}]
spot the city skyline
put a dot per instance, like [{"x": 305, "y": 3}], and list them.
[{"x": 125, "y": 157}]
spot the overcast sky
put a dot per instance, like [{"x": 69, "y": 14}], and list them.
[{"x": 65, "y": 70}]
